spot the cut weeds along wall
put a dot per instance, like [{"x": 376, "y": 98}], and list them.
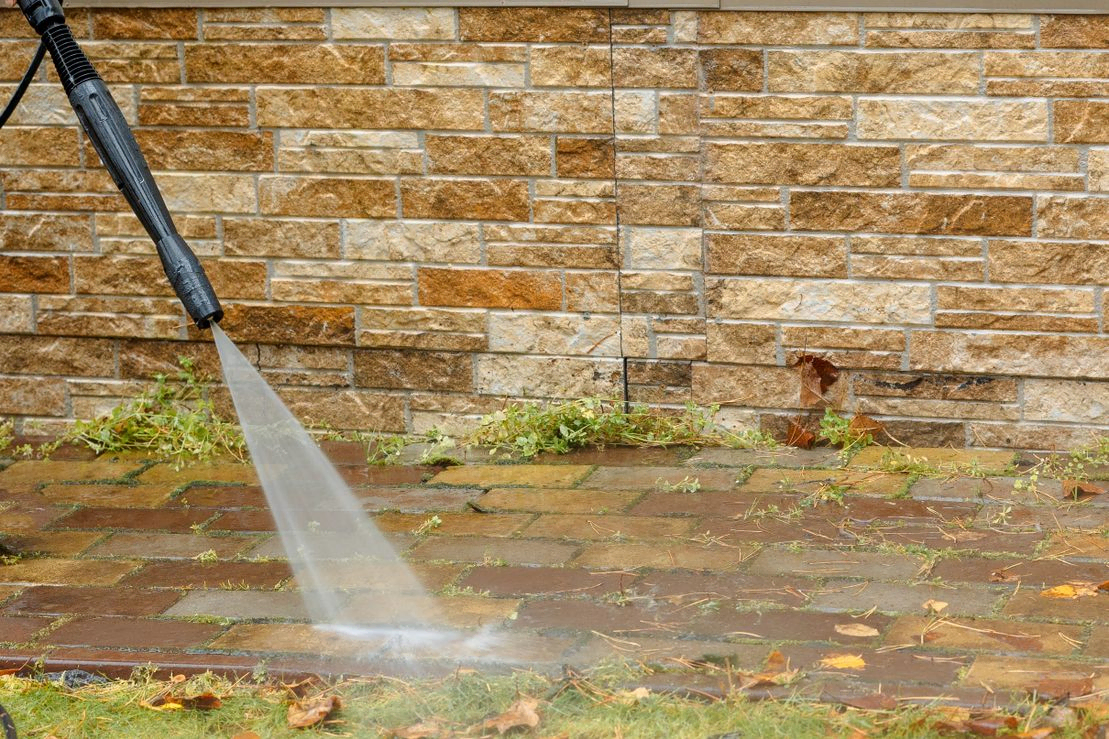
[{"x": 412, "y": 214}]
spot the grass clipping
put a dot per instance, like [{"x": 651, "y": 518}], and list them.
[
  {"x": 528, "y": 429},
  {"x": 171, "y": 419}
]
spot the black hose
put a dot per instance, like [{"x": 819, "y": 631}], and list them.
[
  {"x": 8, "y": 724},
  {"x": 23, "y": 85}
]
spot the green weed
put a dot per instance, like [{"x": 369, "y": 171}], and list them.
[{"x": 838, "y": 431}]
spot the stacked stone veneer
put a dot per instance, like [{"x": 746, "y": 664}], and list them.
[{"x": 413, "y": 214}]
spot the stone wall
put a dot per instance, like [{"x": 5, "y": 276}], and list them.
[{"x": 414, "y": 214}]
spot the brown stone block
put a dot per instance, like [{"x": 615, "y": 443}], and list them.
[
  {"x": 828, "y": 337},
  {"x": 1009, "y": 354},
  {"x": 579, "y": 25},
  {"x": 1027, "y": 299},
  {"x": 131, "y": 62},
  {"x": 347, "y": 409},
  {"x": 39, "y": 147},
  {"x": 972, "y": 157},
  {"x": 1081, "y": 121},
  {"x": 575, "y": 211},
  {"x": 33, "y": 396},
  {"x": 804, "y": 107},
  {"x": 993, "y": 322},
  {"x": 584, "y": 157},
  {"x": 488, "y": 200},
  {"x": 746, "y": 217},
  {"x": 975, "y": 119},
  {"x": 327, "y": 197},
  {"x": 644, "y": 372},
  {"x": 774, "y": 29},
  {"x": 411, "y": 370},
  {"x": 44, "y": 355},
  {"x": 866, "y": 71},
  {"x": 1072, "y": 217},
  {"x": 801, "y": 256},
  {"x": 936, "y": 387},
  {"x": 666, "y": 167},
  {"x": 281, "y": 238},
  {"x": 1074, "y": 31},
  {"x": 34, "y": 274},
  {"x": 740, "y": 343},
  {"x": 592, "y": 291},
  {"x": 208, "y": 150},
  {"x": 45, "y": 232},
  {"x": 489, "y": 155},
  {"x": 550, "y": 111},
  {"x": 744, "y": 385},
  {"x": 141, "y": 23},
  {"x": 731, "y": 69},
  {"x": 488, "y": 288},
  {"x": 1061, "y": 262},
  {"x": 192, "y": 106},
  {"x": 15, "y": 54},
  {"x": 237, "y": 279},
  {"x": 950, "y": 39},
  {"x": 372, "y": 108},
  {"x": 802, "y": 164},
  {"x": 571, "y": 66},
  {"x": 120, "y": 275},
  {"x": 285, "y": 63},
  {"x": 661, "y": 205},
  {"x": 551, "y": 255},
  {"x": 290, "y": 324},
  {"x": 895, "y": 267},
  {"x": 654, "y": 67},
  {"x": 453, "y": 52},
  {"x": 912, "y": 213},
  {"x": 143, "y": 359}
]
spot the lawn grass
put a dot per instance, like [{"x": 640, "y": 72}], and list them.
[{"x": 602, "y": 705}]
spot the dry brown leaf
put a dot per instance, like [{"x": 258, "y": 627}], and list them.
[
  {"x": 1103, "y": 586},
  {"x": 312, "y": 711},
  {"x": 1072, "y": 590},
  {"x": 422, "y": 730},
  {"x": 798, "y": 436},
  {"x": 520, "y": 714},
  {"x": 990, "y": 725},
  {"x": 1060, "y": 689},
  {"x": 861, "y": 425},
  {"x": 872, "y": 702},
  {"x": 860, "y": 630},
  {"x": 1081, "y": 489},
  {"x": 9, "y": 671},
  {"x": 777, "y": 672},
  {"x": 843, "y": 662},
  {"x": 1003, "y": 576},
  {"x": 934, "y": 606},
  {"x": 817, "y": 375}
]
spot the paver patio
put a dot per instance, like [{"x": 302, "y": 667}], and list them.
[{"x": 594, "y": 555}]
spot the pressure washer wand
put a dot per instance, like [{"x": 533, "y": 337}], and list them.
[{"x": 107, "y": 129}]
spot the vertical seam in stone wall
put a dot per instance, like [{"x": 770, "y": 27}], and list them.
[{"x": 616, "y": 213}]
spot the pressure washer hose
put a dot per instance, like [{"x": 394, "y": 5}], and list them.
[
  {"x": 110, "y": 135},
  {"x": 8, "y": 724}
]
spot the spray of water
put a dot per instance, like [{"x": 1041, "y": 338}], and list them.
[{"x": 352, "y": 580}]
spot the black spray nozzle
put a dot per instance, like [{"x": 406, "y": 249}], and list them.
[{"x": 110, "y": 135}]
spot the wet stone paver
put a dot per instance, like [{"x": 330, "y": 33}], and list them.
[{"x": 933, "y": 574}]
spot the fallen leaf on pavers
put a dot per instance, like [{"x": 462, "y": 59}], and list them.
[
  {"x": 170, "y": 702},
  {"x": 632, "y": 697},
  {"x": 777, "y": 672},
  {"x": 934, "y": 606},
  {"x": 817, "y": 375},
  {"x": 1003, "y": 576},
  {"x": 990, "y": 725},
  {"x": 520, "y": 715},
  {"x": 843, "y": 662},
  {"x": 1072, "y": 590},
  {"x": 860, "y": 630},
  {"x": 1081, "y": 489},
  {"x": 800, "y": 437},
  {"x": 9, "y": 671},
  {"x": 422, "y": 730},
  {"x": 872, "y": 702},
  {"x": 861, "y": 425},
  {"x": 1060, "y": 690},
  {"x": 310, "y": 712}
]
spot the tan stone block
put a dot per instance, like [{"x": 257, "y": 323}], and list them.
[
  {"x": 802, "y": 107},
  {"x": 662, "y": 248},
  {"x": 1064, "y": 217},
  {"x": 801, "y": 256},
  {"x": 46, "y": 104},
  {"x": 574, "y": 211},
  {"x": 340, "y": 291},
  {"x": 143, "y": 23},
  {"x": 677, "y": 113},
  {"x": 285, "y": 63},
  {"x": 919, "y": 213},
  {"x": 34, "y": 274},
  {"x": 1024, "y": 436},
  {"x": 237, "y": 279},
  {"x": 534, "y": 233},
  {"x": 659, "y": 144},
  {"x": 470, "y": 74},
  {"x": 346, "y": 409},
  {"x": 1046, "y": 88},
  {"x": 873, "y": 71},
  {"x": 758, "y": 386},
  {"x": 127, "y": 224},
  {"x": 802, "y": 164},
  {"x": 398, "y": 241},
  {"x": 731, "y": 69},
  {"x": 226, "y": 193},
  {"x": 654, "y": 67},
  {"x": 1029, "y": 299},
  {"x": 835, "y": 29},
  {"x": 898, "y": 267},
  {"x": 289, "y": 324},
  {"x": 983, "y": 181},
  {"x": 17, "y": 314},
  {"x": 281, "y": 238},
  {"x": 744, "y": 217},
  {"x": 342, "y": 160},
  {"x": 949, "y": 20},
  {"x": 522, "y": 376},
  {"x": 1063, "y": 401},
  {"x": 773, "y": 129},
  {"x": 326, "y": 197},
  {"x": 131, "y": 62},
  {"x": 489, "y": 155},
  {"x": 423, "y": 319},
  {"x": 936, "y": 409},
  {"x": 39, "y": 147},
  {"x": 584, "y": 157},
  {"x": 1081, "y": 121},
  {"x": 1048, "y": 262},
  {"x": 937, "y": 387},
  {"x": 11, "y": 66},
  {"x": 575, "y": 189},
  {"x": 986, "y": 120},
  {"x": 741, "y": 343},
  {"x": 924, "y": 246},
  {"x": 636, "y": 112},
  {"x": 193, "y": 106},
  {"x": 394, "y": 24},
  {"x": 818, "y": 300},
  {"x": 659, "y": 205},
  {"x": 827, "y": 337},
  {"x": 533, "y": 25},
  {"x": 1062, "y": 64},
  {"x": 489, "y": 288},
  {"x": 264, "y": 15},
  {"x": 667, "y": 167},
  {"x": 1020, "y": 322},
  {"x": 342, "y": 270},
  {"x": 595, "y": 292},
  {"x": 207, "y": 150},
  {"x": 597, "y": 336},
  {"x": 25, "y": 396},
  {"x": 1074, "y": 31},
  {"x": 47, "y": 355},
  {"x": 1009, "y": 354},
  {"x": 570, "y": 66},
  {"x": 406, "y": 370},
  {"x": 120, "y": 275},
  {"x": 370, "y": 108},
  {"x": 266, "y": 24},
  {"x": 973, "y": 157},
  {"x": 490, "y": 200}
]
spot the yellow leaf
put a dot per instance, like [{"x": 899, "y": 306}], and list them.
[
  {"x": 934, "y": 606},
  {"x": 843, "y": 662},
  {"x": 1071, "y": 590},
  {"x": 861, "y": 630}
]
